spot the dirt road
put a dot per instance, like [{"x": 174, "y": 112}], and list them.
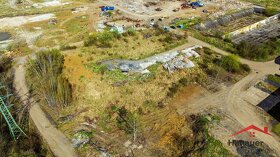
[
  {"x": 233, "y": 99},
  {"x": 57, "y": 142}
]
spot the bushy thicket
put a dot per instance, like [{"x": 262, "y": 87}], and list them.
[
  {"x": 45, "y": 76},
  {"x": 232, "y": 64},
  {"x": 258, "y": 52},
  {"x": 201, "y": 143}
]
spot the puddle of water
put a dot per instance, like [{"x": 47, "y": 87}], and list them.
[{"x": 4, "y": 36}]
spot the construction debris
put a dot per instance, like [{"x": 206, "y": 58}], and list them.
[
  {"x": 179, "y": 62},
  {"x": 142, "y": 65},
  {"x": 81, "y": 138},
  {"x": 119, "y": 29},
  {"x": 100, "y": 26}
]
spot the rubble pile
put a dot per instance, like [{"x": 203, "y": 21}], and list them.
[
  {"x": 172, "y": 60},
  {"x": 179, "y": 62}
]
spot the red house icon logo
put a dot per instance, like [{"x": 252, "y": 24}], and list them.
[{"x": 252, "y": 133}]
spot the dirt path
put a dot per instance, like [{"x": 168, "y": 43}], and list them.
[
  {"x": 233, "y": 99},
  {"x": 57, "y": 142},
  {"x": 247, "y": 114}
]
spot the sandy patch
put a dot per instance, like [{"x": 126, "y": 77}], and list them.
[{"x": 21, "y": 20}]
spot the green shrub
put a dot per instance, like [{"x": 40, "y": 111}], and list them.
[
  {"x": 98, "y": 68},
  {"x": 173, "y": 89},
  {"x": 207, "y": 51},
  {"x": 115, "y": 75},
  {"x": 230, "y": 63},
  {"x": 246, "y": 67},
  {"x": 206, "y": 144},
  {"x": 131, "y": 32},
  {"x": 126, "y": 120},
  {"x": 67, "y": 47},
  {"x": 184, "y": 81},
  {"x": 90, "y": 40},
  {"x": 153, "y": 68},
  {"x": 102, "y": 39},
  {"x": 214, "y": 71}
]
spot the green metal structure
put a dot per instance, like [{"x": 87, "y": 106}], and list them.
[{"x": 15, "y": 130}]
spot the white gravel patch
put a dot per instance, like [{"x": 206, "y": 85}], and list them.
[
  {"x": 21, "y": 20},
  {"x": 50, "y": 4}
]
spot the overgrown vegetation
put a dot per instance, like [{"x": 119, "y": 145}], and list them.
[
  {"x": 103, "y": 39},
  {"x": 219, "y": 68},
  {"x": 45, "y": 77},
  {"x": 201, "y": 143},
  {"x": 258, "y": 52},
  {"x": 186, "y": 22},
  {"x": 67, "y": 47},
  {"x": 270, "y": 11},
  {"x": 126, "y": 120},
  {"x": 24, "y": 146},
  {"x": 175, "y": 87},
  {"x": 224, "y": 44},
  {"x": 273, "y": 78},
  {"x": 205, "y": 144},
  {"x": 130, "y": 45},
  {"x": 230, "y": 63}
]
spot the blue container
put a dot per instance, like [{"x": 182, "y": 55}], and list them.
[{"x": 106, "y": 8}]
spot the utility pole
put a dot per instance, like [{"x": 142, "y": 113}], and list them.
[{"x": 15, "y": 130}]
